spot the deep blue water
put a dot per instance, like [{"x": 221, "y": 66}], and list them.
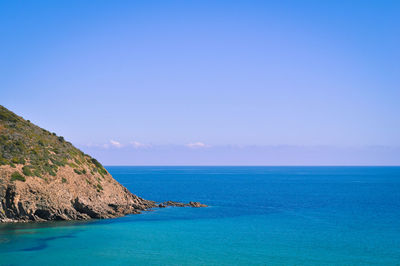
[{"x": 257, "y": 216}]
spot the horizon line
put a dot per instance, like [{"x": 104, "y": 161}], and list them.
[{"x": 180, "y": 165}]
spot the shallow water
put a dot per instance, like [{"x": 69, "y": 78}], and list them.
[{"x": 258, "y": 216}]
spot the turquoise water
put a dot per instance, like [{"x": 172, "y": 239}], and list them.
[{"x": 258, "y": 216}]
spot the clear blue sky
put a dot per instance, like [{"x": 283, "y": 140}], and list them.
[{"x": 208, "y": 82}]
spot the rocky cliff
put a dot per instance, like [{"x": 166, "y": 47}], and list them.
[{"x": 44, "y": 177}]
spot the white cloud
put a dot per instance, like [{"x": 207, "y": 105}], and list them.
[
  {"x": 137, "y": 144},
  {"x": 115, "y": 143},
  {"x": 197, "y": 145}
]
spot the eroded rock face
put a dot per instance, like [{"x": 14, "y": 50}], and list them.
[{"x": 67, "y": 196}]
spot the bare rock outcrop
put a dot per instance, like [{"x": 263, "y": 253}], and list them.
[{"x": 66, "y": 196}]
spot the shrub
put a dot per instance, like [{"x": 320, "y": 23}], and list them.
[
  {"x": 52, "y": 173},
  {"x": 37, "y": 173},
  {"x": 99, "y": 188},
  {"x": 73, "y": 165},
  {"x": 96, "y": 162},
  {"x": 64, "y": 180},
  {"x": 102, "y": 171},
  {"x": 3, "y": 161},
  {"x": 77, "y": 171},
  {"x": 17, "y": 176},
  {"x": 56, "y": 162},
  {"x": 26, "y": 170}
]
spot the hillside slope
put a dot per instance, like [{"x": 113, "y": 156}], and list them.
[{"x": 43, "y": 177}]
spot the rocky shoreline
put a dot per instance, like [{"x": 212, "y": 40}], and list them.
[
  {"x": 43, "y": 177},
  {"x": 40, "y": 200}
]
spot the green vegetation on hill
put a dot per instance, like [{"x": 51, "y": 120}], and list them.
[
  {"x": 17, "y": 176},
  {"x": 40, "y": 151}
]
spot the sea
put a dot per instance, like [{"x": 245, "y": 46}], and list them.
[{"x": 256, "y": 216}]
